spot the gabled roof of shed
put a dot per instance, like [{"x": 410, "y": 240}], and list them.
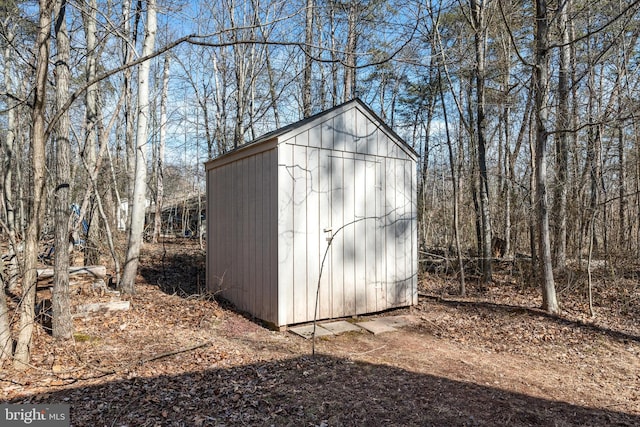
[{"x": 272, "y": 137}]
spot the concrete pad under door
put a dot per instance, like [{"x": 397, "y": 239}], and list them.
[
  {"x": 376, "y": 326},
  {"x": 306, "y": 331}
]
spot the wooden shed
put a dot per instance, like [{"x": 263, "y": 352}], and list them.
[{"x": 341, "y": 183}]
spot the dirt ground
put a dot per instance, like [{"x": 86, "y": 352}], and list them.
[{"x": 180, "y": 358}]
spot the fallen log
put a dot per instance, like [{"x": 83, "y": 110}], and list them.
[
  {"x": 97, "y": 271},
  {"x": 103, "y": 307}
]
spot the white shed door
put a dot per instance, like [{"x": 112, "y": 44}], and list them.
[{"x": 353, "y": 263}]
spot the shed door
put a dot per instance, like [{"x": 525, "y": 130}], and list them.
[{"x": 352, "y": 267}]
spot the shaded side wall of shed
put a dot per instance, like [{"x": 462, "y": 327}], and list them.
[
  {"x": 349, "y": 176},
  {"x": 242, "y": 233}
]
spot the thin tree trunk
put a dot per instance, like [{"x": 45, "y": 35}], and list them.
[
  {"x": 512, "y": 158},
  {"x": 573, "y": 139},
  {"x": 62, "y": 322},
  {"x": 473, "y": 169},
  {"x": 334, "y": 62},
  {"x": 270, "y": 71},
  {"x": 272, "y": 90},
  {"x": 38, "y": 165},
  {"x": 478, "y": 11},
  {"x": 253, "y": 59},
  {"x": 549, "y": 300},
  {"x": 324, "y": 84},
  {"x": 220, "y": 110},
  {"x": 454, "y": 182},
  {"x": 89, "y": 17},
  {"x": 10, "y": 164},
  {"x": 105, "y": 220},
  {"x": 592, "y": 222},
  {"x": 160, "y": 161},
  {"x": 240, "y": 71},
  {"x": 308, "y": 40},
  {"x": 533, "y": 218},
  {"x": 140, "y": 185},
  {"x": 130, "y": 107},
  {"x": 592, "y": 165},
  {"x": 623, "y": 241},
  {"x": 114, "y": 184},
  {"x": 506, "y": 123},
  {"x": 562, "y": 135},
  {"x": 6, "y": 343},
  {"x": 350, "y": 53}
]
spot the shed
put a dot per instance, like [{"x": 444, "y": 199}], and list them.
[{"x": 339, "y": 183}]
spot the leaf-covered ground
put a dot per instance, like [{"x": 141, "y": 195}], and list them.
[{"x": 180, "y": 359}]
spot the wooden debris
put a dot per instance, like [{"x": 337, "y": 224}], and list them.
[
  {"x": 103, "y": 307},
  {"x": 98, "y": 272}
]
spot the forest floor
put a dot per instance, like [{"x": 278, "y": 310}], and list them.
[{"x": 180, "y": 358}]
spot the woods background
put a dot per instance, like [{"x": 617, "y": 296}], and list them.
[{"x": 525, "y": 115}]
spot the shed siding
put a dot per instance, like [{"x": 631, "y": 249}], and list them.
[{"x": 242, "y": 233}]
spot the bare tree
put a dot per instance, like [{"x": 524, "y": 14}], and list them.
[
  {"x": 10, "y": 155},
  {"x": 157, "y": 226},
  {"x": 455, "y": 185},
  {"x": 541, "y": 82},
  {"x": 38, "y": 165},
  {"x": 128, "y": 48},
  {"x": 353, "y": 9},
  {"x": 308, "y": 39},
  {"x": 6, "y": 342},
  {"x": 89, "y": 151},
  {"x": 136, "y": 230},
  {"x": 241, "y": 65},
  {"x": 478, "y": 19},
  {"x": 62, "y": 322},
  {"x": 562, "y": 136}
]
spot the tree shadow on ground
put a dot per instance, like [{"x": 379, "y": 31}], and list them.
[
  {"x": 319, "y": 390},
  {"x": 176, "y": 267},
  {"x": 510, "y": 309}
]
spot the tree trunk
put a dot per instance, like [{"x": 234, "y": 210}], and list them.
[
  {"x": 478, "y": 11},
  {"x": 350, "y": 53},
  {"x": 334, "y": 62},
  {"x": 136, "y": 230},
  {"x": 504, "y": 166},
  {"x": 273, "y": 95},
  {"x": 220, "y": 114},
  {"x": 562, "y": 135},
  {"x": 160, "y": 161},
  {"x": 6, "y": 343},
  {"x": 62, "y": 322},
  {"x": 623, "y": 241},
  {"x": 473, "y": 167},
  {"x": 533, "y": 218},
  {"x": 541, "y": 81},
  {"x": 308, "y": 40},
  {"x": 89, "y": 17},
  {"x": 240, "y": 71},
  {"x": 38, "y": 165},
  {"x": 9, "y": 165},
  {"x": 324, "y": 84},
  {"x": 129, "y": 104},
  {"x": 454, "y": 183},
  {"x": 572, "y": 218},
  {"x": 513, "y": 156}
]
